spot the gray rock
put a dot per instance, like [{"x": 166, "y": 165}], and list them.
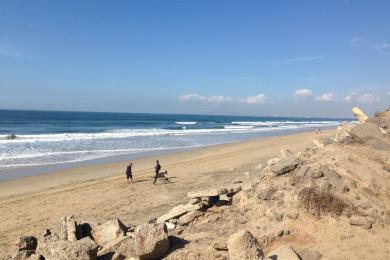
[
  {"x": 243, "y": 245},
  {"x": 284, "y": 165},
  {"x": 179, "y": 211},
  {"x": 189, "y": 217},
  {"x": 26, "y": 243},
  {"x": 307, "y": 254},
  {"x": 366, "y": 131},
  {"x": 53, "y": 249},
  {"x": 151, "y": 241},
  {"x": 68, "y": 228},
  {"x": 283, "y": 252},
  {"x": 360, "y": 221},
  {"x": 124, "y": 246},
  {"x": 359, "y": 114},
  {"x": 267, "y": 193},
  {"x": 109, "y": 231},
  {"x": 207, "y": 193}
]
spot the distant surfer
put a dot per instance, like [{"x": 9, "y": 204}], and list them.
[
  {"x": 157, "y": 169},
  {"x": 129, "y": 173}
]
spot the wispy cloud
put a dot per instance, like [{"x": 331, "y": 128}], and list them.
[
  {"x": 381, "y": 48},
  {"x": 303, "y": 59},
  {"x": 258, "y": 99},
  {"x": 364, "y": 98},
  {"x": 197, "y": 97},
  {"x": 303, "y": 93},
  {"x": 327, "y": 97}
]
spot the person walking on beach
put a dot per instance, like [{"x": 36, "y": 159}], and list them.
[
  {"x": 157, "y": 169},
  {"x": 129, "y": 173}
]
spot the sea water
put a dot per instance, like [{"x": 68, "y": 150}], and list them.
[{"x": 30, "y": 138}]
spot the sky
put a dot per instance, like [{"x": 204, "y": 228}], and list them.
[{"x": 285, "y": 58}]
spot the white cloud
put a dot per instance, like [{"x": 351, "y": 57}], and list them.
[
  {"x": 303, "y": 93},
  {"x": 303, "y": 59},
  {"x": 326, "y": 97},
  {"x": 364, "y": 98},
  {"x": 378, "y": 47},
  {"x": 197, "y": 97},
  {"x": 258, "y": 99}
]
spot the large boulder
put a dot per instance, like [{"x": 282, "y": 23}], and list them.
[
  {"x": 189, "y": 217},
  {"x": 151, "y": 241},
  {"x": 359, "y": 114},
  {"x": 109, "y": 231},
  {"x": 366, "y": 131},
  {"x": 124, "y": 246},
  {"x": 382, "y": 119},
  {"x": 243, "y": 245},
  {"x": 58, "y": 249},
  {"x": 284, "y": 252},
  {"x": 343, "y": 132},
  {"x": 179, "y": 211}
]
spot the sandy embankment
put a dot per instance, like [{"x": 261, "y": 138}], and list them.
[{"x": 99, "y": 192}]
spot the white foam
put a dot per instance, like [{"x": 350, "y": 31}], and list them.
[{"x": 186, "y": 123}]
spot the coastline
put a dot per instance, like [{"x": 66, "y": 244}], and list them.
[{"x": 77, "y": 173}]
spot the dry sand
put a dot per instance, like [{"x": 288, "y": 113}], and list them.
[{"x": 100, "y": 192}]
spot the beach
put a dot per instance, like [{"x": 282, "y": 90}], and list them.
[{"x": 100, "y": 192}]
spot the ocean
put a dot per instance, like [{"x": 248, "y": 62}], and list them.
[{"x": 33, "y": 138}]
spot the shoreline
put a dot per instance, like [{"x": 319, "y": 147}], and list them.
[
  {"x": 10, "y": 188},
  {"x": 36, "y": 170}
]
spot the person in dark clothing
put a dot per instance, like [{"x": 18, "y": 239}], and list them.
[
  {"x": 129, "y": 173},
  {"x": 157, "y": 169}
]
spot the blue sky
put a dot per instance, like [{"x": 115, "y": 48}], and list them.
[{"x": 297, "y": 58}]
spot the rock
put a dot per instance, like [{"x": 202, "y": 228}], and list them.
[
  {"x": 284, "y": 252},
  {"x": 286, "y": 154},
  {"x": 109, "y": 231},
  {"x": 284, "y": 166},
  {"x": 231, "y": 190},
  {"x": 292, "y": 215},
  {"x": 53, "y": 249},
  {"x": 325, "y": 187},
  {"x": 194, "y": 201},
  {"x": 124, "y": 246},
  {"x": 189, "y": 217},
  {"x": 68, "y": 228},
  {"x": 243, "y": 245},
  {"x": 26, "y": 243},
  {"x": 307, "y": 254},
  {"x": 272, "y": 161},
  {"x": 366, "y": 131},
  {"x": 151, "y": 241},
  {"x": 382, "y": 119},
  {"x": 360, "y": 221},
  {"x": 179, "y": 211},
  {"x": 170, "y": 226},
  {"x": 207, "y": 193},
  {"x": 267, "y": 193},
  {"x": 343, "y": 132},
  {"x": 118, "y": 256},
  {"x": 242, "y": 199},
  {"x": 359, "y": 114},
  {"x": 84, "y": 229}
]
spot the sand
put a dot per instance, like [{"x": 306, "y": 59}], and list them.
[{"x": 100, "y": 192}]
